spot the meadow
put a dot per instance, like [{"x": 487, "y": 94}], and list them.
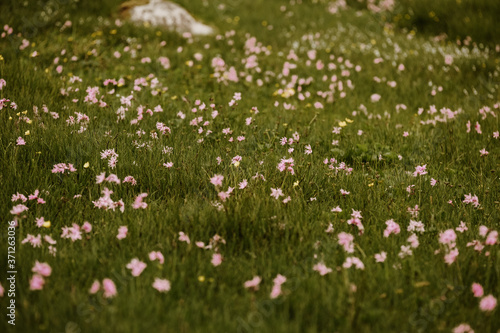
[{"x": 314, "y": 166}]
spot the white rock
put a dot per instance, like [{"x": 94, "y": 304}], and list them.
[{"x": 170, "y": 15}]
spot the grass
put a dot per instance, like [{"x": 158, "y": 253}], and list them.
[{"x": 264, "y": 237}]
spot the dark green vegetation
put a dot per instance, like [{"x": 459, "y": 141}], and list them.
[{"x": 264, "y": 237}]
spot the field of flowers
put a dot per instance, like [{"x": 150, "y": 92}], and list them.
[{"x": 314, "y": 166}]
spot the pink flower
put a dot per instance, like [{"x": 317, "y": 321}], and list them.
[
  {"x": 477, "y": 289},
  {"x": 470, "y": 199},
  {"x": 344, "y": 193},
  {"x": 350, "y": 261},
  {"x": 138, "y": 203},
  {"x": 72, "y": 232},
  {"x": 18, "y": 209},
  {"x": 413, "y": 240},
  {"x": 243, "y": 184},
  {"x": 95, "y": 287},
  {"x": 109, "y": 288},
  {"x": 392, "y": 228},
  {"x": 278, "y": 281},
  {"x": 276, "y": 291},
  {"x": 112, "y": 178},
  {"x": 34, "y": 241},
  {"x": 2, "y": 290},
  {"x": 216, "y": 259},
  {"x": 19, "y": 196},
  {"x": 136, "y": 266},
  {"x": 224, "y": 195},
  {"x": 346, "y": 240},
  {"x": 492, "y": 238},
  {"x": 462, "y": 227},
  {"x": 49, "y": 239},
  {"x": 276, "y": 193},
  {"x": 420, "y": 170},
  {"x": 286, "y": 164},
  {"x": 433, "y": 182},
  {"x": 488, "y": 303},
  {"x": 416, "y": 226},
  {"x": 253, "y": 283},
  {"x": 375, "y": 98},
  {"x": 321, "y": 269},
  {"x": 447, "y": 237},
  {"x": 337, "y": 209},
  {"x": 463, "y": 328},
  {"x": 122, "y": 232},
  {"x": 130, "y": 179},
  {"x": 37, "y": 282},
  {"x": 20, "y": 141},
  {"x": 87, "y": 227},
  {"x": 477, "y": 127},
  {"x": 483, "y": 230},
  {"x": 483, "y": 152},
  {"x": 162, "y": 285},
  {"x": 42, "y": 269},
  {"x": 451, "y": 256},
  {"x": 157, "y": 256},
  {"x": 405, "y": 251},
  {"x": 380, "y": 257},
  {"x": 40, "y": 221},
  {"x": 216, "y": 180},
  {"x": 184, "y": 238}
]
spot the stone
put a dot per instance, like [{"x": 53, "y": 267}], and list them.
[{"x": 165, "y": 14}]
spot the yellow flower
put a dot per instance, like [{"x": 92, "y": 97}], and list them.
[
  {"x": 288, "y": 92},
  {"x": 350, "y": 121},
  {"x": 296, "y": 184},
  {"x": 201, "y": 278},
  {"x": 46, "y": 224},
  {"x": 27, "y": 132},
  {"x": 342, "y": 124},
  {"x": 236, "y": 164},
  {"x": 86, "y": 165}
]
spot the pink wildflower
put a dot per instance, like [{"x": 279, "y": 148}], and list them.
[
  {"x": 37, "y": 282},
  {"x": 122, "y": 232},
  {"x": 488, "y": 303},
  {"x": 109, "y": 288},
  {"x": 162, "y": 285},
  {"x": 136, "y": 266},
  {"x": 42, "y": 269},
  {"x": 392, "y": 228},
  {"x": 216, "y": 259},
  {"x": 477, "y": 289}
]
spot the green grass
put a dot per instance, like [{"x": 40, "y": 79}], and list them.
[{"x": 264, "y": 237}]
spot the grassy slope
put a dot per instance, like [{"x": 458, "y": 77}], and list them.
[{"x": 264, "y": 237}]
